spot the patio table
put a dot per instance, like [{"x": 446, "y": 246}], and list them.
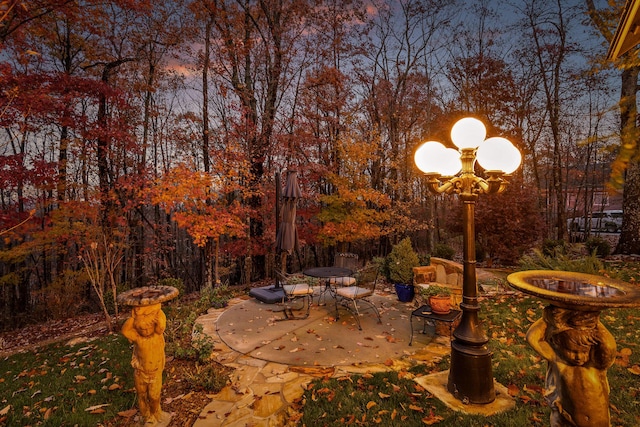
[
  {"x": 327, "y": 273},
  {"x": 426, "y": 314}
]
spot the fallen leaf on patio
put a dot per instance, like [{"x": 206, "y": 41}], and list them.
[
  {"x": 280, "y": 347},
  {"x": 266, "y": 342},
  {"x": 371, "y": 404},
  {"x": 536, "y": 418},
  {"x": 526, "y": 399},
  {"x": 128, "y": 414},
  {"x": 311, "y": 331},
  {"x": 338, "y": 346},
  {"x": 622, "y": 358},
  {"x": 533, "y": 388},
  {"x": 388, "y": 362},
  {"x": 390, "y": 339},
  {"x": 296, "y": 349},
  {"x": 432, "y": 419},
  {"x": 635, "y": 369},
  {"x": 47, "y": 413},
  {"x": 513, "y": 390},
  {"x": 294, "y": 339},
  {"x": 405, "y": 375},
  {"x": 96, "y": 407}
]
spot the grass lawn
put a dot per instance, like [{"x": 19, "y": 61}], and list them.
[
  {"x": 91, "y": 383},
  {"x": 60, "y": 385},
  {"x": 391, "y": 399}
]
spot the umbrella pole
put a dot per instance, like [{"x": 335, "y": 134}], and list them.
[
  {"x": 283, "y": 262},
  {"x": 278, "y": 197}
]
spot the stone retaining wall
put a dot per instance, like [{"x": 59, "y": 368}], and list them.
[{"x": 442, "y": 272}]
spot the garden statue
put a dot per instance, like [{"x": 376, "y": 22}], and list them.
[
  {"x": 577, "y": 346},
  {"x": 145, "y": 329},
  {"x": 579, "y": 350}
]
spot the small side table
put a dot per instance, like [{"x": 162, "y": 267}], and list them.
[{"x": 426, "y": 314}]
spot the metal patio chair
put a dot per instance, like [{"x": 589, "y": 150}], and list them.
[
  {"x": 352, "y": 296},
  {"x": 295, "y": 291}
]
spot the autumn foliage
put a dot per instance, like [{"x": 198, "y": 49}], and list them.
[{"x": 161, "y": 125}]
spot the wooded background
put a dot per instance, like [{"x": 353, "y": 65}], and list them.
[{"x": 140, "y": 139}]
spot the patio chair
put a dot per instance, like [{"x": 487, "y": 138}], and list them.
[
  {"x": 352, "y": 296},
  {"x": 346, "y": 260},
  {"x": 294, "y": 291}
]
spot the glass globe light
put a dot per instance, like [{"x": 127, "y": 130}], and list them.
[
  {"x": 450, "y": 162},
  {"x": 468, "y": 133},
  {"x": 428, "y": 157},
  {"x": 498, "y": 154}
]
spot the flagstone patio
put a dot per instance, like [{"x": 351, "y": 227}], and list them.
[{"x": 275, "y": 360}]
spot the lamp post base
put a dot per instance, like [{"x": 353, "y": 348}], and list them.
[{"x": 471, "y": 374}]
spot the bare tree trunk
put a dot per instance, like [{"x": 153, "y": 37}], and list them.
[{"x": 629, "y": 242}]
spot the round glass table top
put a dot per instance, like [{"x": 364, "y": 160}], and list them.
[{"x": 328, "y": 272}]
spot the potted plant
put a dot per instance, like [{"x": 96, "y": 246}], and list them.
[
  {"x": 400, "y": 262},
  {"x": 439, "y": 298}
]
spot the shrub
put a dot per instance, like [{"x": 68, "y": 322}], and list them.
[
  {"x": 425, "y": 259},
  {"x": 176, "y": 283},
  {"x": 434, "y": 290},
  {"x": 401, "y": 261},
  {"x": 184, "y": 338},
  {"x": 209, "y": 376},
  {"x": 552, "y": 247},
  {"x": 442, "y": 250},
  {"x": 539, "y": 261},
  {"x": 598, "y": 246}
]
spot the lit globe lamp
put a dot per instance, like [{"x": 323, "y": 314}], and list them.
[{"x": 451, "y": 171}]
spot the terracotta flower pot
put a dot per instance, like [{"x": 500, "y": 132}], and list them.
[{"x": 440, "y": 304}]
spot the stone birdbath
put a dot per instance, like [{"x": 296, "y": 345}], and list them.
[
  {"x": 145, "y": 329},
  {"x": 577, "y": 346}
]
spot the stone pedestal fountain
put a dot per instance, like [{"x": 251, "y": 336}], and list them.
[
  {"x": 577, "y": 346},
  {"x": 145, "y": 329}
]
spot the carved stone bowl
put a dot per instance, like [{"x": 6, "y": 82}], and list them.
[
  {"x": 576, "y": 291},
  {"x": 147, "y": 295}
]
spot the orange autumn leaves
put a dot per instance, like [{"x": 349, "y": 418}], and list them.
[{"x": 200, "y": 203}]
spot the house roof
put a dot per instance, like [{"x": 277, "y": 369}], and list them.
[{"x": 627, "y": 34}]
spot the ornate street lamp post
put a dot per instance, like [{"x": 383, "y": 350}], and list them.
[{"x": 452, "y": 171}]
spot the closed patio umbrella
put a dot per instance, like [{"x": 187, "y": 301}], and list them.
[{"x": 287, "y": 235}]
